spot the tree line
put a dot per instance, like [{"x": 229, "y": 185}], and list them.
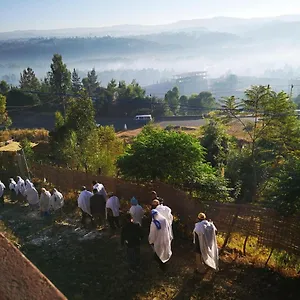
[{"x": 116, "y": 99}]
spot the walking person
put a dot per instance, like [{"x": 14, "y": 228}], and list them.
[
  {"x": 206, "y": 247},
  {"x": 32, "y": 197},
  {"x": 56, "y": 201},
  {"x": 113, "y": 211},
  {"x": 136, "y": 211},
  {"x": 13, "y": 189},
  {"x": 84, "y": 205},
  {"x": 45, "y": 203},
  {"x": 131, "y": 236},
  {"x": 2, "y": 189},
  {"x": 160, "y": 238},
  {"x": 97, "y": 205}
]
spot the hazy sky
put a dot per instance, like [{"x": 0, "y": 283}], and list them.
[{"x": 53, "y": 14}]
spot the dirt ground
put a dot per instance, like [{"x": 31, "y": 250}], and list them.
[{"x": 92, "y": 265}]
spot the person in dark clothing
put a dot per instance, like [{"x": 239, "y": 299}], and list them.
[
  {"x": 131, "y": 236},
  {"x": 97, "y": 204}
]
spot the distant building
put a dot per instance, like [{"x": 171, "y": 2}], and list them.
[{"x": 191, "y": 82}]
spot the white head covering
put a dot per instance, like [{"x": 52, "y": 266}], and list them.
[
  {"x": 160, "y": 236},
  {"x": 56, "y": 200},
  {"x": 84, "y": 201},
  {"x": 45, "y": 200},
  {"x": 2, "y": 188}
]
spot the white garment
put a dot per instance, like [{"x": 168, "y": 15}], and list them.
[
  {"x": 161, "y": 238},
  {"x": 137, "y": 214},
  {"x": 28, "y": 184},
  {"x": 166, "y": 212},
  {"x": 32, "y": 196},
  {"x": 206, "y": 232},
  {"x": 114, "y": 204},
  {"x": 45, "y": 201},
  {"x": 13, "y": 186},
  {"x": 2, "y": 188},
  {"x": 21, "y": 185},
  {"x": 56, "y": 200},
  {"x": 101, "y": 189},
  {"x": 84, "y": 201}
]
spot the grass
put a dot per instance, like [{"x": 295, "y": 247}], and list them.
[
  {"x": 95, "y": 268},
  {"x": 33, "y": 135}
]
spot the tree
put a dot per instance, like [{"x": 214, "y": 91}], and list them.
[
  {"x": 4, "y": 118},
  {"x": 217, "y": 142},
  {"x": 4, "y": 87},
  {"x": 76, "y": 82},
  {"x": 172, "y": 99},
  {"x": 184, "y": 102},
  {"x": 274, "y": 131},
  {"x": 203, "y": 102},
  {"x": 28, "y": 80},
  {"x": 16, "y": 97},
  {"x": 90, "y": 83},
  {"x": 60, "y": 79},
  {"x": 172, "y": 157}
]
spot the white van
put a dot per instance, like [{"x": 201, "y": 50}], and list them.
[{"x": 143, "y": 118}]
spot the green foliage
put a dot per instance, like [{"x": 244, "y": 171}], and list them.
[
  {"x": 172, "y": 157},
  {"x": 4, "y": 87},
  {"x": 217, "y": 142},
  {"x": 283, "y": 191},
  {"x": 25, "y": 144},
  {"x": 29, "y": 81},
  {"x": 16, "y": 97},
  {"x": 76, "y": 82},
  {"x": 4, "y": 118},
  {"x": 90, "y": 83},
  {"x": 201, "y": 103},
  {"x": 172, "y": 99}
]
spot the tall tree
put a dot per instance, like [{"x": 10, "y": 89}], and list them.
[
  {"x": 172, "y": 99},
  {"x": 29, "y": 81},
  {"x": 202, "y": 102},
  {"x": 60, "y": 79},
  {"x": 4, "y": 87},
  {"x": 76, "y": 82},
  {"x": 4, "y": 118},
  {"x": 90, "y": 83}
]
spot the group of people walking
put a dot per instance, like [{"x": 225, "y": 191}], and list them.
[
  {"x": 99, "y": 206},
  {"x": 102, "y": 206},
  {"x": 46, "y": 202}
]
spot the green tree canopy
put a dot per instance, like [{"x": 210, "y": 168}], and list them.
[
  {"x": 4, "y": 118},
  {"x": 29, "y": 81}
]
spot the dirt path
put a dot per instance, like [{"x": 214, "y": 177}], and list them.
[{"x": 91, "y": 265}]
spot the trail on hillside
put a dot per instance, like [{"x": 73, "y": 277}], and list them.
[{"x": 91, "y": 265}]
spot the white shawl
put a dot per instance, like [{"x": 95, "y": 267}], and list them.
[
  {"x": 13, "y": 185},
  {"x": 206, "y": 232},
  {"x": 32, "y": 196},
  {"x": 28, "y": 184},
  {"x": 84, "y": 201},
  {"x": 161, "y": 238},
  {"x": 56, "y": 200},
  {"x": 45, "y": 201},
  {"x": 2, "y": 188},
  {"x": 21, "y": 185},
  {"x": 114, "y": 204},
  {"x": 137, "y": 214},
  {"x": 166, "y": 212},
  {"x": 101, "y": 189}
]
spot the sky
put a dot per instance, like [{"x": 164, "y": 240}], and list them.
[{"x": 57, "y": 14}]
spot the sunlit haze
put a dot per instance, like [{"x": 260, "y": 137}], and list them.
[{"x": 56, "y": 14}]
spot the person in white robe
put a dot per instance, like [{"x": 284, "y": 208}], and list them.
[
  {"x": 32, "y": 197},
  {"x": 28, "y": 184},
  {"x": 160, "y": 238},
  {"x": 136, "y": 211},
  {"x": 13, "y": 187},
  {"x": 21, "y": 185},
  {"x": 84, "y": 205},
  {"x": 100, "y": 188},
  {"x": 206, "y": 247},
  {"x": 113, "y": 211},
  {"x": 164, "y": 211},
  {"x": 2, "y": 189},
  {"x": 45, "y": 202},
  {"x": 56, "y": 200}
]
